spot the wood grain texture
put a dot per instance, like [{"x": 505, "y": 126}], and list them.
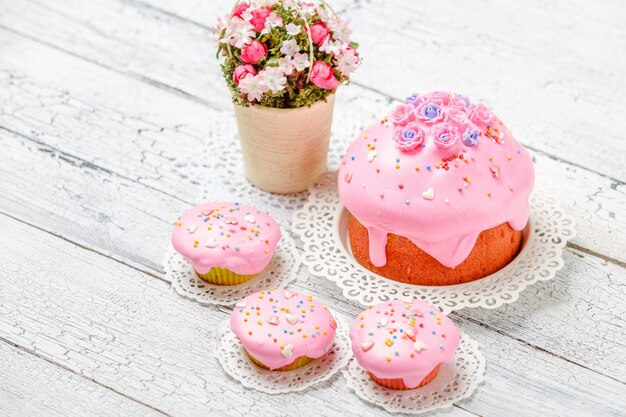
[
  {"x": 98, "y": 99},
  {"x": 524, "y": 77},
  {"x": 129, "y": 331},
  {"x": 30, "y": 386},
  {"x": 76, "y": 108}
]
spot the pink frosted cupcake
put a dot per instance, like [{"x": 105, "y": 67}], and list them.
[
  {"x": 402, "y": 344},
  {"x": 282, "y": 330},
  {"x": 227, "y": 243}
]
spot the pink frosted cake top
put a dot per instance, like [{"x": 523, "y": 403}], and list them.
[
  {"x": 439, "y": 171},
  {"x": 278, "y": 326},
  {"x": 228, "y": 235},
  {"x": 403, "y": 340}
]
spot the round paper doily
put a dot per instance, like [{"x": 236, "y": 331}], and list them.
[
  {"x": 281, "y": 271},
  {"x": 236, "y": 363},
  {"x": 454, "y": 382},
  {"x": 322, "y": 226}
]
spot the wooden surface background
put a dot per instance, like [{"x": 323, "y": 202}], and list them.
[{"x": 97, "y": 99}]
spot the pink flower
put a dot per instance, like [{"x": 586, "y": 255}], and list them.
[
  {"x": 241, "y": 71},
  {"x": 408, "y": 137},
  {"x": 479, "y": 114},
  {"x": 444, "y": 135},
  {"x": 323, "y": 76},
  {"x": 437, "y": 96},
  {"x": 402, "y": 115},
  {"x": 240, "y": 8},
  {"x": 254, "y": 52},
  {"x": 319, "y": 33},
  {"x": 258, "y": 18},
  {"x": 430, "y": 111},
  {"x": 458, "y": 103},
  {"x": 457, "y": 116}
]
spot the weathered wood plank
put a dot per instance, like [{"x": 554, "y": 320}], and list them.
[
  {"x": 131, "y": 332},
  {"x": 31, "y": 386},
  {"x": 137, "y": 131},
  {"x": 166, "y": 50},
  {"x": 128, "y": 221}
]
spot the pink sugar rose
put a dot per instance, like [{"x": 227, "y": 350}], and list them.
[
  {"x": 259, "y": 16},
  {"x": 323, "y": 76},
  {"x": 241, "y": 71},
  {"x": 319, "y": 33},
  {"x": 458, "y": 103},
  {"x": 254, "y": 52},
  {"x": 441, "y": 96},
  {"x": 429, "y": 110},
  {"x": 445, "y": 135},
  {"x": 479, "y": 114},
  {"x": 240, "y": 8},
  {"x": 457, "y": 116},
  {"x": 408, "y": 137},
  {"x": 402, "y": 114}
]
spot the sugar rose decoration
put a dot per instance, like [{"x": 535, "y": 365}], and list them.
[
  {"x": 438, "y": 118},
  {"x": 284, "y": 53}
]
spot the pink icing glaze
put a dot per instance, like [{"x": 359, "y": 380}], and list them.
[
  {"x": 279, "y": 326},
  {"x": 228, "y": 235},
  {"x": 474, "y": 188},
  {"x": 403, "y": 340}
]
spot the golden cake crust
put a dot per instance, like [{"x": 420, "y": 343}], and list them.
[{"x": 407, "y": 263}]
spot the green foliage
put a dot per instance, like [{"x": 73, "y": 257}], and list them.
[{"x": 299, "y": 91}]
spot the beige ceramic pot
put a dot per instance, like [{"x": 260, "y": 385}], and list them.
[{"x": 285, "y": 150}]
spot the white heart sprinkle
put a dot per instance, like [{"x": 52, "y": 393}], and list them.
[
  {"x": 419, "y": 346},
  {"x": 408, "y": 300},
  {"x": 250, "y": 218},
  {"x": 371, "y": 155},
  {"x": 348, "y": 177},
  {"x": 429, "y": 194},
  {"x": 291, "y": 318},
  {"x": 367, "y": 345},
  {"x": 288, "y": 294},
  {"x": 192, "y": 228},
  {"x": 211, "y": 243},
  {"x": 287, "y": 351},
  {"x": 274, "y": 320},
  {"x": 241, "y": 304},
  {"x": 383, "y": 322}
]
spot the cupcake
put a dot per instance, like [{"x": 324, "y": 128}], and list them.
[
  {"x": 402, "y": 344},
  {"x": 282, "y": 330},
  {"x": 227, "y": 243},
  {"x": 437, "y": 192}
]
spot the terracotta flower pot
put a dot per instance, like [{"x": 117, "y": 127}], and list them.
[{"x": 285, "y": 150}]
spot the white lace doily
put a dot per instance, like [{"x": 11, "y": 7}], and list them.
[
  {"x": 322, "y": 226},
  {"x": 281, "y": 271},
  {"x": 217, "y": 169},
  {"x": 454, "y": 382},
  {"x": 236, "y": 362}
]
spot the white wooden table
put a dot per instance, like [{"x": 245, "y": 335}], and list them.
[{"x": 97, "y": 99}]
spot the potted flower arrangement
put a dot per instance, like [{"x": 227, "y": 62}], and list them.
[{"x": 283, "y": 61}]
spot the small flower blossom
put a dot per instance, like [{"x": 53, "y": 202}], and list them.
[
  {"x": 479, "y": 114},
  {"x": 347, "y": 61},
  {"x": 402, "y": 114},
  {"x": 408, "y": 137},
  {"x": 430, "y": 112},
  {"x": 301, "y": 61},
  {"x": 341, "y": 31},
  {"x": 273, "y": 78},
  {"x": 444, "y": 135},
  {"x": 253, "y": 87},
  {"x": 273, "y": 21},
  {"x": 292, "y": 29},
  {"x": 331, "y": 47},
  {"x": 239, "y": 32},
  {"x": 290, "y": 47},
  {"x": 286, "y": 65},
  {"x": 470, "y": 137},
  {"x": 413, "y": 99}
]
